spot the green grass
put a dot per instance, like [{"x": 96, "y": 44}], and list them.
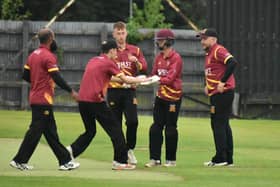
[{"x": 257, "y": 156}]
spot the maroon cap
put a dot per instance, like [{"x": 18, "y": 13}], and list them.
[{"x": 165, "y": 34}]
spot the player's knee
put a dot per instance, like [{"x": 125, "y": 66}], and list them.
[
  {"x": 154, "y": 129},
  {"x": 90, "y": 134},
  {"x": 132, "y": 123},
  {"x": 171, "y": 131}
]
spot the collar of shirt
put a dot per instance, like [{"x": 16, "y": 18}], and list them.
[
  {"x": 44, "y": 46},
  {"x": 213, "y": 47},
  {"x": 122, "y": 49},
  {"x": 105, "y": 56},
  {"x": 170, "y": 54}
]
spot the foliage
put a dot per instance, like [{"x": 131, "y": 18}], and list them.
[
  {"x": 150, "y": 16},
  {"x": 110, "y": 11},
  {"x": 12, "y": 10}
]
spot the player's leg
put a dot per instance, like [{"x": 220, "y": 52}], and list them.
[
  {"x": 228, "y": 108},
  {"x": 155, "y": 133},
  {"x": 171, "y": 132},
  {"x": 229, "y": 144},
  {"x": 33, "y": 135},
  {"x": 130, "y": 112},
  {"x": 87, "y": 112},
  {"x": 109, "y": 123},
  {"x": 52, "y": 138},
  {"x": 115, "y": 102},
  {"x": 219, "y": 121}
]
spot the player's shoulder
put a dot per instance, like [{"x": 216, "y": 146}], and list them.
[
  {"x": 132, "y": 47},
  {"x": 220, "y": 47},
  {"x": 43, "y": 53},
  {"x": 176, "y": 54}
]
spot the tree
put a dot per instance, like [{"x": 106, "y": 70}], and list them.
[
  {"x": 150, "y": 16},
  {"x": 12, "y": 10}
]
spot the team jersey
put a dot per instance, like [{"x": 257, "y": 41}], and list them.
[
  {"x": 127, "y": 67},
  {"x": 215, "y": 67},
  {"x": 40, "y": 63},
  {"x": 169, "y": 69},
  {"x": 97, "y": 75}
]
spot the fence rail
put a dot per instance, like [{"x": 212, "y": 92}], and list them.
[{"x": 78, "y": 42}]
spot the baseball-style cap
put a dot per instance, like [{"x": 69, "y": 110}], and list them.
[
  {"x": 107, "y": 45},
  {"x": 208, "y": 32},
  {"x": 165, "y": 34}
]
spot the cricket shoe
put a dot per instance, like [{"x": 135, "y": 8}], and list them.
[
  {"x": 20, "y": 166},
  {"x": 153, "y": 163},
  {"x": 69, "y": 166},
  {"x": 230, "y": 165},
  {"x": 131, "y": 157},
  {"x": 213, "y": 164},
  {"x": 170, "y": 163},
  {"x": 122, "y": 166}
]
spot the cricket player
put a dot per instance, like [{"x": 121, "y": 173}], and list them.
[
  {"x": 121, "y": 96},
  {"x": 220, "y": 84},
  {"x": 168, "y": 66},
  {"x": 42, "y": 72},
  {"x": 92, "y": 105}
]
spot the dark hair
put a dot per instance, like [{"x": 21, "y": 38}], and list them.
[
  {"x": 44, "y": 35},
  {"x": 106, "y": 46}
]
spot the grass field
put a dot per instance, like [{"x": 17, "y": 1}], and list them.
[{"x": 257, "y": 156}]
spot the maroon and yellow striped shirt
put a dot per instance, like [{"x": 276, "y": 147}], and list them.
[{"x": 169, "y": 69}]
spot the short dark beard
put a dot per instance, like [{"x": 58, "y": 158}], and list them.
[{"x": 206, "y": 49}]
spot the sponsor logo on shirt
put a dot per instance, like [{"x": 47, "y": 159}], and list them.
[
  {"x": 162, "y": 72},
  {"x": 124, "y": 65}
]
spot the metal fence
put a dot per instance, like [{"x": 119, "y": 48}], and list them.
[
  {"x": 78, "y": 42},
  {"x": 251, "y": 30}
]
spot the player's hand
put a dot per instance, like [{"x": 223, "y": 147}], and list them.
[
  {"x": 75, "y": 95},
  {"x": 221, "y": 87},
  {"x": 151, "y": 80},
  {"x": 132, "y": 58}
]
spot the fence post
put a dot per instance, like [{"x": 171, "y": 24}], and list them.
[
  {"x": 104, "y": 33},
  {"x": 24, "y": 87}
]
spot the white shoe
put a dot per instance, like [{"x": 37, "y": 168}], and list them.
[
  {"x": 153, "y": 163},
  {"x": 213, "y": 164},
  {"x": 70, "y": 150},
  {"x": 131, "y": 157},
  {"x": 122, "y": 166},
  {"x": 69, "y": 166},
  {"x": 20, "y": 166},
  {"x": 170, "y": 163}
]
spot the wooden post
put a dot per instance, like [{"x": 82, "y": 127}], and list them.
[{"x": 24, "y": 87}]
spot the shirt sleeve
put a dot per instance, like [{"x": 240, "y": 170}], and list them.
[
  {"x": 142, "y": 61},
  {"x": 223, "y": 55},
  {"x": 51, "y": 64},
  {"x": 114, "y": 70},
  {"x": 154, "y": 70}
]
